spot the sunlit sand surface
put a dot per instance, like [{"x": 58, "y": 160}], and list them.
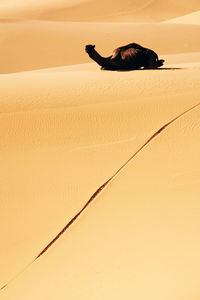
[
  {"x": 193, "y": 18},
  {"x": 128, "y": 142}
]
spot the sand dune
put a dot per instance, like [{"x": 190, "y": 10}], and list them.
[
  {"x": 67, "y": 127},
  {"x": 94, "y": 10},
  {"x": 34, "y": 45},
  {"x": 41, "y": 129},
  {"x": 118, "y": 11},
  {"x": 154, "y": 224}
]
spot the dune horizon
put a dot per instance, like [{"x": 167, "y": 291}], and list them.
[{"x": 99, "y": 169}]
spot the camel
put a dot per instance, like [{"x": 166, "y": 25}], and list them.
[{"x": 129, "y": 57}]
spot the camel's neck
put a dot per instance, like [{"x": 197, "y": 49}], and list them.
[{"x": 102, "y": 61}]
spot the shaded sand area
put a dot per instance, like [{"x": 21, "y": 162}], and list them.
[{"x": 127, "y": 142}]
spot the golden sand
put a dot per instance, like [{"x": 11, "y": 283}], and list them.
[{"x": 67, "y": 128}]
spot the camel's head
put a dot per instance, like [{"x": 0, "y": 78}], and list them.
[{"x": 89, "y": 48}]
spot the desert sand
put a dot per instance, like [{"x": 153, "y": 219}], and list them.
[
  {"x": 193, "y": 18},
  {"x": 100, "y": 170}
]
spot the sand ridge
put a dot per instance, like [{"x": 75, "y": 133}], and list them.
[
  {"x": 104, "y": 185},
  {"x": 66, "y": 292}
]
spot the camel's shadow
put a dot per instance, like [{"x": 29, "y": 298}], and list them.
[
  {"x": 160, "y": 69},
  {"x": 157, "y": 69}
]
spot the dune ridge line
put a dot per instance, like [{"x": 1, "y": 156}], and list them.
[{"x": 101, "y": 188}]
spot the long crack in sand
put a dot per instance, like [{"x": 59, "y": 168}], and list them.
[{"x": 101, "y": 188}]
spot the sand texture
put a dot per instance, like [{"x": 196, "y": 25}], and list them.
[{"x": 100, "y": 170}]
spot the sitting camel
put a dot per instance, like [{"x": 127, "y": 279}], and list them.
[{"x": 129, "y": 57}]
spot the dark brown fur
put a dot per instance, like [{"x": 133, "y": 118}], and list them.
[{"x": 129, "y": 57}]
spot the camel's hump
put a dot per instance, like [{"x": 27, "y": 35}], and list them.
[
  {"x": 115, "y": 54},
  {"x": 128, "y": 53},
  {"x": 124, "y": 53}
]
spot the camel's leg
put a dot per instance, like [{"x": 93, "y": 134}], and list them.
[
  {"x": 109, "y": 68},
  {"x": 160, "y": 63},
  {"x": 154, "y": 62},
  {"x": 155, "y": 65}
]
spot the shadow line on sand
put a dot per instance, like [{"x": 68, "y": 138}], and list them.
[
  {"x": 167, "y": 69},
  {"x": 160, "y": 69},
  {"x": 157, "y": 69},
  {"x": 100, "y": 189}
]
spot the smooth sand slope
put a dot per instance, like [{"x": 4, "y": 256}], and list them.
[
  {"x": 67, "y": 127},
  {"x": 193, "y": 18},
  {"x": 56, "y": 153},
  {"x": 69, "y": 172},
  {"x": 95, "y": 10}
]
